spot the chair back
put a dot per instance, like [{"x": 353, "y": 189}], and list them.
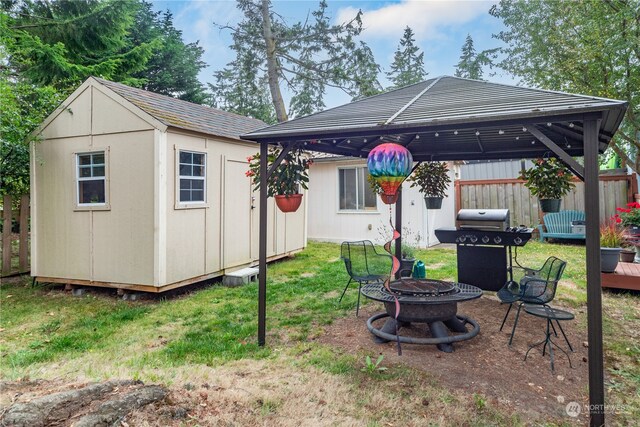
[
  {"x": 541, "y": 284},
  {"x": 560, "y": 222},
  {"x": 361, "y": 259}
]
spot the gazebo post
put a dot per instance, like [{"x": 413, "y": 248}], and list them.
[
  {"x": 398, "y": 225},
  {"x": 594, "y": 290},
  {"x": 262, "y": 257}
]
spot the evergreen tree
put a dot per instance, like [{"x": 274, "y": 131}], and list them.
[
  {"x": 306, "y": 56},
  {"x": 174, "y": 66},
  {"x": 61, "y": 43},
  {"x": 587, "y": 47},
  {"x": 407, "y": 67},
  {"x": 470, "y": 65}
]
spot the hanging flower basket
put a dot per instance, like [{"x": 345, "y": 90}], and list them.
[
  {"x": 433, "y": 202},
  {"x": 289, "y": 202},
  {"x": 389, "y": 199}
]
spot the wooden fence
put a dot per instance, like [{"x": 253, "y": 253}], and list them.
[
  {"x": 615, "y": 191},
  {"x": 15, "y": 246}
]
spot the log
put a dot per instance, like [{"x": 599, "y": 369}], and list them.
[
  {"x": 113, "y": 410},
  {"x": 57, "y": 407}
]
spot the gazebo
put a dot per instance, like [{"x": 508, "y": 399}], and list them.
[{"x": 450, "y": 118}]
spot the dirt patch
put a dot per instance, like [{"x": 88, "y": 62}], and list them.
[{"x": 486, "y": 364}]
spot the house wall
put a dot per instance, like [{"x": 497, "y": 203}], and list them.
[
  {"x": 223, "y": 233},
  {"x": 328, "y": 223},
  {"x": 113, "y": 244}
]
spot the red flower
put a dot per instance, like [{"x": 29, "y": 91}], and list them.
[
  {"x": 249, "y": 173},
  {"x": 249, "y": 159},
  {"x": 560, "y": 173},
  {"x": 618, "y": 220},
  {"x": 623, "y": 210}
]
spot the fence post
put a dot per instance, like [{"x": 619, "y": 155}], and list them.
[
  {"x": 6, "y": 234},
  {"x": 24, "y": 233}
]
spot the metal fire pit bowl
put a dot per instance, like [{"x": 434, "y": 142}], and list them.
[{"x": 433, "y": 302}]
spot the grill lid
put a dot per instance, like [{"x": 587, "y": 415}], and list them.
[{"x": 494, "y": 215}]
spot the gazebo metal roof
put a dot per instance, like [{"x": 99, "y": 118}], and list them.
[{"x": 450, "y": 118}]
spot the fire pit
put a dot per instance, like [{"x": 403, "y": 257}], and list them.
[{"x": 433, "y": 302}]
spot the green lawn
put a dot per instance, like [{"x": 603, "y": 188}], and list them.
[{"x": 47, "y": 333}]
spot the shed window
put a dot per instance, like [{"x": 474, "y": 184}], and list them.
[
  {"x": 91, "y": 178},
  {"x": 355, "y": 192},
  {"x": 192, "y": 177}
]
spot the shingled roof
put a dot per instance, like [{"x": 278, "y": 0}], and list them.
[
  {"x": 451, "y": 118},
  {"x": 186, "y": 115}
]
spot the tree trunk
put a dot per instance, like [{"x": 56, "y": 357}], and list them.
[{"x": 272, "y": 64}]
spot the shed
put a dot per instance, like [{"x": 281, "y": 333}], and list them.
[{"x": 140, "y": 191}]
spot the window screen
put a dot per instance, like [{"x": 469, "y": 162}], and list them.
[
  {"x": 192, "y": 170},
  {"x": 355, "y": 192},
  {"x": 91, "y": 178}
]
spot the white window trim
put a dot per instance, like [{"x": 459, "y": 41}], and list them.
[
  {"x": 92, "y": 206},
  {"x": 190, "y": 204},
  {"x": 370, "y": 211}
]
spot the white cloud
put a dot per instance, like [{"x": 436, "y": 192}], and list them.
[{"x": 426, "y": 18}]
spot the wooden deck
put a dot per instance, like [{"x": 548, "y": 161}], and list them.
[{"x": 626, "y": 276}]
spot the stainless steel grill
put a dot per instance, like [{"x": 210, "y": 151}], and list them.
[
  {"x": 484, "y": 240},
  {"x": 483, "y": 219}
]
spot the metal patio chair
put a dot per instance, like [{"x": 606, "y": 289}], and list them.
[
  {"x": 536, "y": 287},
  {"x": 364, "y": 265}
]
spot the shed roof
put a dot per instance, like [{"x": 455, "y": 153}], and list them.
[
  {"x": 451, "y": 118},
  {"x": 186, "y": 115}
]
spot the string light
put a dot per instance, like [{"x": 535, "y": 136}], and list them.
[
  {"x": 334, "y": 141},
  {"x": 549, "y": 124},
  {"x": 571, "y": 125},
  {"x": 477, "y": 133},
  {"x": 417, "y": 136},
  {"x": 517, "y": 138},
  {"x": 524, "y": 129},
  {"x": 437, "y": 134},
  {"x": 533, "y": 142},
  {"x": 365, "y": 140},
  {"x": 500, "y": 132},
  {"x": 348, "y": 141},
  {"x": 455, "y": 132}
]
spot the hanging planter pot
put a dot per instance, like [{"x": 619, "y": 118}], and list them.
[
  {"x": 550, "y": 205},
  {"x": 433, "y": 202},
  {"x": 389, "y": 199},
  {"x": 609, "y": 259},
  {"x": 288, "y": 202}
]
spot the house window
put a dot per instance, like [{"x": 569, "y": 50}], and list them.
[
  {"x": 91, "y": 178},
  {"x": 192, "y": 172},
  {"x": 355, "y": 192}
]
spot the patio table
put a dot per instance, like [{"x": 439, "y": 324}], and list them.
[{"x": 550, "y": 314}]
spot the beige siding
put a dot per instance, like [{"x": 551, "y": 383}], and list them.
[
  {"x": 224, "y": 233},
  {"x": 62, "y": 237},
  {"x": 113, "y": 117},
  {"x": 123, "y": 235},
  {"x": 71, "y": 118},
  {"x": 328, "y": 223}
]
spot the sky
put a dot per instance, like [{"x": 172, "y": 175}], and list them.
[{"x": 440, "y": 28}]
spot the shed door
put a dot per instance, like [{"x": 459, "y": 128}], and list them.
[{"x": 237, "y": 214}]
